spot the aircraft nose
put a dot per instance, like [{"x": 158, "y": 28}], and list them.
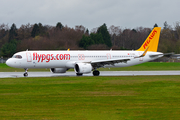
[{"x": 9, "y": 62}]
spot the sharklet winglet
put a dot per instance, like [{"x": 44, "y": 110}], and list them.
[{"x": 144, "y": 53}]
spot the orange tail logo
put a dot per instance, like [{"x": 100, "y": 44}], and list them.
[{"x": 151, "y": 41}]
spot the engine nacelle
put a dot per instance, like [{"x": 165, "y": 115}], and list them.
[
  {"x": 58, "y": 70},
  {"x": 83, "y": 68}
]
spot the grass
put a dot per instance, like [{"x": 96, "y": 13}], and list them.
[
  {"x": 140, "y": 67},
  {"x": 90, "y": 98}
]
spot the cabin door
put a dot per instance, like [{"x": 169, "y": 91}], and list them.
[{"x": 29, "y": 58}]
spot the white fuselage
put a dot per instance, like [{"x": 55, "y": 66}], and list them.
[
  {"x": 67, "y": 59},
  {"x": 84, "y": 62}
]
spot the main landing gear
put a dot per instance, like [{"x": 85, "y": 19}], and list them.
[
  {"x": 25, "y": 74},
  {"x": 79, "y": 74},
  {"x": 96, "y": 73}
]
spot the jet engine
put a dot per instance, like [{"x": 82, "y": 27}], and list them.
[
  {"x": 58, "y": 70},
  {"x": 83, "y": 68}
]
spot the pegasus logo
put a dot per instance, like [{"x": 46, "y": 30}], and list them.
[{"x": 149, "y": 39}]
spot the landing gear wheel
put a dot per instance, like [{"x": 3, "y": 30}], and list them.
[
  {"x": 25, "y": 74},
  {"x": 79, "y": 74},
  {"x": 96, "y": 73}
]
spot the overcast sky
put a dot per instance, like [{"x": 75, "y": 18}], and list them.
[{"x": 91, "y": 13}]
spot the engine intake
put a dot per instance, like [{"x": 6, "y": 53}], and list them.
[{"x": 83, "y": 68}]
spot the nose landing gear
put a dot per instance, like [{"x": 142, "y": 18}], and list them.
[{"x": 26, "y": 73}]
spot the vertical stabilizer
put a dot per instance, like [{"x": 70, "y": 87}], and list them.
[{"x": 152, "y": 41}]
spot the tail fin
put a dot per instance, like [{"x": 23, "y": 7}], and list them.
[{"x": 152, "y": 41}]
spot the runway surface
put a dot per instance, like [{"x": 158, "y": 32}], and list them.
[{"x": 102, "y": 73}]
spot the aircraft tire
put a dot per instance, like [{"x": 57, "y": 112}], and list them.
[
  {"x": 96, "y": 73},
  {"x": 25, "y": 74},
  {"x": 79, "y": 74}
]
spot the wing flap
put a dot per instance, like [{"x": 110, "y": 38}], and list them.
[{"x": 101, "y": 63}]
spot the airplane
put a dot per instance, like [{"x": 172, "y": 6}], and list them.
[{"x": 84, "y": 62}]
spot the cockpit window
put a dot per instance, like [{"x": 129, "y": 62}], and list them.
[{"x": 17, "y": 56}]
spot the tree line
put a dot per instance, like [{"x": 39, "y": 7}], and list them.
[{"x": 60, "y": 37}]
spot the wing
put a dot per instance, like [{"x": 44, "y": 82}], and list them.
[{"x": 102, "y": 63}]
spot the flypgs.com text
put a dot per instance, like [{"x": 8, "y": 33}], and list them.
[{"x": 49, "y": 57}]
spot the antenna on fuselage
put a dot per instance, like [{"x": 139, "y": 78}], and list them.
[{"x": 27, "y": 50}]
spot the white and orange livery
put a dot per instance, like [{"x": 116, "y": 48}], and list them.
[{"x": 86, "y": 61}]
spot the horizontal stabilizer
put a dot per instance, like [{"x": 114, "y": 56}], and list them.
[{"x": 165, "y": 54}]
